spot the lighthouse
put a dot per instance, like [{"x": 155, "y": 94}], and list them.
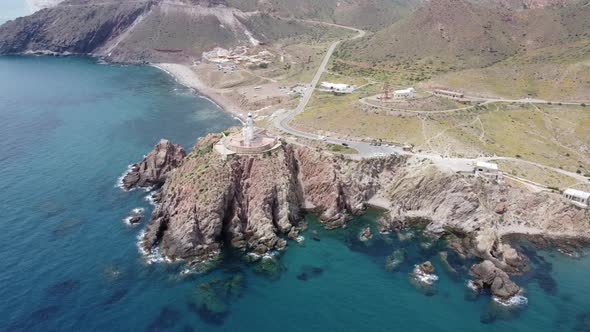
[{"x": 248, "y": 130}]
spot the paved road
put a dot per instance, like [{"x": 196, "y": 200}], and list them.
[
  {"x": 479, "y": 100},
  {"x": 367, "y": 150}
]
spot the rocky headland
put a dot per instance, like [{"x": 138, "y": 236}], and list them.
[
  {"x": 152, "y": 170},
  {"x": 254, "y": 203}
]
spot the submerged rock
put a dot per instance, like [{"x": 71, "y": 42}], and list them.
[
  {"x": 366, "y": 234},
  {"x": 444, "y": 258},
  {"x": 64, "y": 288},
  {"x": 271, "y": 268},
  {"x": 310, "y": 272},
  {"x": 395, "y": 260},
  {"x": 487, "y": 275},
  {"x": 212, "y": 299},
  {"x": 166, "y": 319},
  {"x": 152, "y": 170},
  {"x": 315, "y": 236}
]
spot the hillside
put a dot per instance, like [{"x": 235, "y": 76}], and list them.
[
  {"x": 370, "y": 15},
  {"x": 456, "y": 34},
  {"x": 147, "y": 31}
]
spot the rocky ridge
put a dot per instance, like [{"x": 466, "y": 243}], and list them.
[
  {"x": 254, "y": 203},
  {"x": 154, "y": 167}
]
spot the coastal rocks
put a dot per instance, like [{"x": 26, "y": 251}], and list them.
[
  {"x": 426, "y": 267},
  {"x": 442, "y": 200},
  {"x": 424, "y": 279},
  {"x": 134, "y": 217},
  {"x": 152, "y": 170},
  {"x": 487, "y": 275},
  {"x": 253, "y": 202},
  {"x": 395, "y": 260},
  {"x": 366, "y": 234}
]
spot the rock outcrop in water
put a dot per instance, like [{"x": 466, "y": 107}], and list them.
[
  {"x": 487, "y": 275},
  {"x": 254, "y": 203},
  {"x": 152, "y": 170}
]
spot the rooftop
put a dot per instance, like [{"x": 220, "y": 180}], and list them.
[
  {"x": 577, "y": 193},
  {"x": 487, "y": 165}
]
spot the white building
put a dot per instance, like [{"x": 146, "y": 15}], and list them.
[
  {"x": 578, "y": 197},
  {"x": 336, "y": 87},
  {"x": 487, "y": 170},
  {"x": 408, "y": 93}
]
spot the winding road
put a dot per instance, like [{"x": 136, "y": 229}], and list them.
[{"x": 368, "y": 150}]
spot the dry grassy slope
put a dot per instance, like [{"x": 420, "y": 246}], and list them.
[
  {"x": 364, "y": 14},
  {"x": 553, "y": 73},
  {"x": 460, "y": 34}
]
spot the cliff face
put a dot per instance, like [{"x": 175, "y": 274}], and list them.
[
  {"x": 252, "y": 202},
  {"x": 152, "y": 170},
  {"x": 73, "y": 27},
  {"x": 470, "y": 204}
]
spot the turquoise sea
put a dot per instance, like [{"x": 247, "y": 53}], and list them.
[{"x": 68, "y": 129}]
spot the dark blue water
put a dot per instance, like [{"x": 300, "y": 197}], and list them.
[{"x": 69, "y": 127}]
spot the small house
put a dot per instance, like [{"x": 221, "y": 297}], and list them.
[
  {"x": 578, "y": 197},
  {"x": 487, "y": 170},
  {"x": 408, "y": 93},
  {"x": 336, "y": 87}
]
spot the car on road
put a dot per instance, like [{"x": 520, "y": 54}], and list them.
[
  {"x": 322, "y": 138},
  {"x": 344, "y": 144}
]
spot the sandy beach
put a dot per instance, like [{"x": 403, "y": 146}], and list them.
[{"x": 187, "y": 77}]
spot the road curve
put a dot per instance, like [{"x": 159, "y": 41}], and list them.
[{"x": 367, "y": 150}]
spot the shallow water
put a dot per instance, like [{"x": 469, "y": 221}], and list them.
[{"x": 69, "y": 127}]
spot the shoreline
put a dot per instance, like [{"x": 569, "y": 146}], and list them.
[{"x": 185, "y": 76}]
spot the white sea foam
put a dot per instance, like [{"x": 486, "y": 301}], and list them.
[
  {"x": 120, "y": 179},
  {"x": 152, "y": 256},
  {"x": 471, "y": 285},
  {"x": 270, "y": 255},
  {"x": 253, "y": 256},
  {"x": 425, "y": 278},
  {"x": 516, "y": 300},
  {"x": 134, "y": 213},
  {"x": 150, "y": 199}
]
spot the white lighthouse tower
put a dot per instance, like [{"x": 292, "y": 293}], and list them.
[{"x": 248, "y": 130}]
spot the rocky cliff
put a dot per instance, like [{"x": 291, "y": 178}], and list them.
[
  {"x": 254, "y": 203},
  {"x": 154, "y": 167}
]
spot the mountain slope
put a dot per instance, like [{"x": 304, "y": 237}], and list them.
[
  {"x": 364, "y": 14},
  {"x": 469, "y": 35},
  {"x": 146, "y": 31}
]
